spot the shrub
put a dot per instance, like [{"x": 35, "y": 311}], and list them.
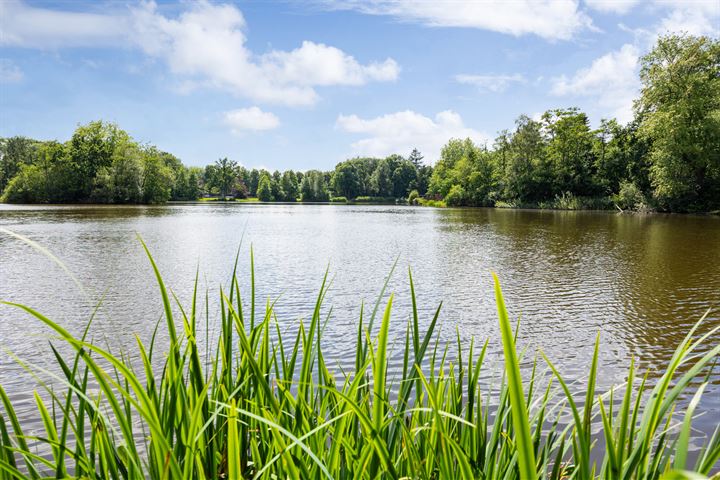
[
  {"x": 383, "y": 200},
  {"x": 28, "y": 186},
  {"x": 338, "y": 200},
  {"x": 456, "y": 196},
  {"x": 630, "y": 197},
  {"x": 413, "y": 197}
]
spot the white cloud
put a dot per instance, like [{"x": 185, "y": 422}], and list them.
[
  {"x": 204, "y": 46},
  {"x": 695, "y": 17},
  {"x": 400, "y": 132},
  {"x": 549, "y": 19},
  {"x": 613, "y": 6},
  {"x": 612, "y": 80},
  {"x": 491, "y": 83},
  {"x": 22, "y": 25},
  {"x": 9, "y": 72},
  {"x": 318, "y": 64},
  {"x": 252, "y": 118},
  {"x": 694, "y": 21}
]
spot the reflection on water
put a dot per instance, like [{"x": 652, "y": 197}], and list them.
[{"x": 641, "y": 281}]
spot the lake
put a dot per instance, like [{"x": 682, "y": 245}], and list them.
[{"x": 640, "y": 280}]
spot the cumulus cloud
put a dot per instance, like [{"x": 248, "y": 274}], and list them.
[
  {"x": 695, "y": 21},
  {"x": 253, "y": 119},
  {"x": 9, "y": 72},
  {"x": 400, "y": 132},
  {"x": 549, "y": 19},
  {"x": 490, "y": 83},
  {"x": 611, "y": 80},
  {"x": 205, "y": 46}
]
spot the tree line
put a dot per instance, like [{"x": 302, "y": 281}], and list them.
[
  {"x": 667, "y": 158},
  {"x": 101, "y": 163}
]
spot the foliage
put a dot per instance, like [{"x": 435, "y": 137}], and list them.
[
  {"x": 313, "y": 187},
  {"x": 264, "y": 403},
  {"x": 413, "y": 198},
  {"x": 27, "y": 186},
  {"x": 290, "y": 186},
  {"x": 630, "y": 197},
  {"x": 666, "y": 158},
  {"x": 338, "y": 200},
  {"x": 100, "y": 163},
  {"x": 456, "y": 196},
  {"x": 226, "y": 172},
  {"x": 380, "y": 200},
  {"x": 680, "y": 112},
  {"x": 264, "y": 190}
]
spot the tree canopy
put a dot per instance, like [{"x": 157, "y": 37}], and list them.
[{"x": 666, "y": 158}]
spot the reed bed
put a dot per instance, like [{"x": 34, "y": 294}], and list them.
[{"x": 267, "y": 406}]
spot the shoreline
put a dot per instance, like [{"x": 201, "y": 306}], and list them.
[{"x": 714, "y": 213}]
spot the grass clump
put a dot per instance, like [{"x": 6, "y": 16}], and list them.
[{"x": 268, "y": 406}]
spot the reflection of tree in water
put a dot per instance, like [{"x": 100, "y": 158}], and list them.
[{"x": 643, "y": 280}]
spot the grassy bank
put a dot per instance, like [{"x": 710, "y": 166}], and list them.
[{"x": 268, "y": 406}]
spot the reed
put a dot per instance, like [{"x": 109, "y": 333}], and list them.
[{"x": 268, "y": 406}]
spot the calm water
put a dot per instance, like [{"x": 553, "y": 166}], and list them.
[{"x": 641, "y": 281}]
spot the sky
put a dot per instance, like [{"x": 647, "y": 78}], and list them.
[{"x": 301, "y": 85}]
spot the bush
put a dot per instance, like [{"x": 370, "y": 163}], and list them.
[
  {"x": 383, "y": 200},
  {"x": 630, "y": 197},
  {"x": 28, "y": 186},
  {"x": 430, "y": 202},
  {"x": 456, "y": 196},
  {"x": 413, "y": 197},
  {"x": 338, "y": 200},
  {"x": 567, "y": 201}
]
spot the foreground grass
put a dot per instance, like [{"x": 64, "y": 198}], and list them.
[{"x": 269, "y": 407}]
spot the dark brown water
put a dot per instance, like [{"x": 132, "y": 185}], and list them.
[{"x": 641, "y": 281}]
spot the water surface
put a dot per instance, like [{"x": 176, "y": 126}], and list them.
[{"x": 640, "y": 280}]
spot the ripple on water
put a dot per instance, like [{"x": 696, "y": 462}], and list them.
[{"x": 641, "y": 281}]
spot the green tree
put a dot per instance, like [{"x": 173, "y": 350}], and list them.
[
  {"x": 346, "y": 180},
  {"x": 403, "y": 178},
  {"x": 156, "y": 178},
  {"x": 27, "y": 186},
  {"x": 91, "y": 148},
  {"x": 226, "y": 172},
  {"x": 416, "y": 158},
  {"x": 454, "y": 164},
  {"x": 569, "y": 151},
  {"x": 679, "y": 111},
  {"x": 527, "y": 174},
  {"x": 290, "y": 186},
  {"x": 14, "y": 152},
  {"x": 264, "y": 189},
  {"x": 381, "y": 180},
  {"x": 313, "y": 187},
  {"x": 276, "y": 186}
]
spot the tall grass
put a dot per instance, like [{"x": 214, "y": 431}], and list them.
[{"x": 268, "y": 406}]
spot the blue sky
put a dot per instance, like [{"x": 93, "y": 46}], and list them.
[{"x": 306, "y": 84}]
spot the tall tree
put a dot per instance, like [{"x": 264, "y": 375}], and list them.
[
  {"x": 290, "y": 186},
  {"x": 416, "y": 158},
  {"x": 14, "y": 152},
  {"x": 679, "y": 111},
  {"x": 226, "y": 172},
  {"x": 346, "y": 181},
  {"x": 264, "y": 189}
]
